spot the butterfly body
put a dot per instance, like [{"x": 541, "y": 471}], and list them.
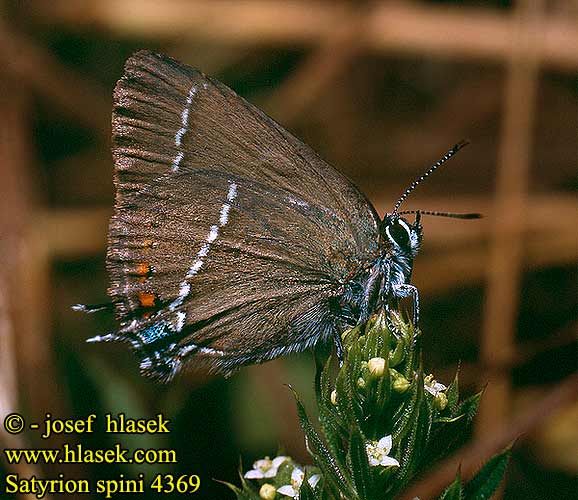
[{"x": 232, "y": 242}]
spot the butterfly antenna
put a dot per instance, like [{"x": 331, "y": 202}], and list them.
[
  {"x": 428, "y": 172},
  {"x": 451, "y": 215}
]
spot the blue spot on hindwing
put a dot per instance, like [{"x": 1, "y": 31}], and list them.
[
  {"x": 154, "y": 333},
  {"x": 158, "y": 351}
]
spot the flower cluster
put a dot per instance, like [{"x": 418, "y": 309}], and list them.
[
  {"x": 297, "y": 477},
  {"x": 382, "y": 421},
  {"x": 265, "y": 468},
  {"x": 280, "y": 476}
]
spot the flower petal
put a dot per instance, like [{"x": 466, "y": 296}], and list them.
[
  {"x": 314, "y": 479},
  {"x": 373, "y": 461},
  {"x": 385, "y": 442},
  {"x": 430, "y": 389},
  {"x": 389, "y": 462},
  {"x": 254, "y": 474},
  {"x": 297, "y": 476},
  {"x": 287, "y": 490},
  {"x": 277, "y": 461}
]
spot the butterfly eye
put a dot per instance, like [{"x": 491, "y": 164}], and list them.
[{"x": 399, "y": 232}]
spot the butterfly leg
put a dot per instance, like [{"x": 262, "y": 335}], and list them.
[
  {"x": 391, "y": 327},
  {"x": 385, "y": 292},
  {"x": 406, "y": 290},
  {"x": 370, "y": 295},
  {"x": 338, "y": 346}
]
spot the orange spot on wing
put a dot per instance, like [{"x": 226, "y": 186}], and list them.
[
  {"x": 146, "y": 299},
  {"x": 143, "y": 269}
]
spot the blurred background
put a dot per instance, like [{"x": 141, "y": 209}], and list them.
[{"x": 381, "y": 90}]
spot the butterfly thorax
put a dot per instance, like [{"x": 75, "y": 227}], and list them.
[
  {"x": 383, "y": 278},
  {"x": 396, "y": 270}
]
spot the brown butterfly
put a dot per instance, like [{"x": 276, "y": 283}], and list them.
[{"x": 232, "y": 242}]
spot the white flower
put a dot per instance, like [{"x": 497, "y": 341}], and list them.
[
  {"x": 432, "y": 386},
  {"x": 265, "y": 468},
  {"x": 297, "y": 476},
  {"x": 437, "y": 391},
  {"x": 377, "y": 452}
]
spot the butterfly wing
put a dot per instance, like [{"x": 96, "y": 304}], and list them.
[{"x": 230, "y": 236}]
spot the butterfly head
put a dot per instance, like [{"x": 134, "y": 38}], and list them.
[{"x": 400, "y": 235}]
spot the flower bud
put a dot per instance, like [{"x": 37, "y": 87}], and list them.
[
  {"x": 376, "y": 366},
  {"x": 268, "y": 492},
  {"x": 441, "y": 401},
  {"x": 400, "y": 383},
  {"x": 361, "y": 383},
  {"x": 333, "y": 397}
]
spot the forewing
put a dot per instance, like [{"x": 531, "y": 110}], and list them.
[
  {"x": 229, "y": 235},
  {"x": 169, "y": 117}
]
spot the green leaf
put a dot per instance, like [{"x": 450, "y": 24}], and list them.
[
  {"x": 453, "y": 394},
  {"x": 397, "y": 355},
  {"x": 446, "y": 437},
  {"x": 327, "y": 463},
  {"x": 360, "y": 466},
  {"x": 244, "y": 494},
  {"x": 469, "y": 407},
  {"x": 449, "y": 435},
  {"x": 403, "y": 423},
  {"x": 377, "y": 343},
  {"x": 412, "y": 446},
  {"x": 306, "y": 492},
  {"x": 487, "y": 480},
  {"x": 322, "y": 493},
  {"x": 379, "y": 389},
  {"x": 453, "y": 491},
  {"x": 334, "y": 429},
  {"x": 348, "y": 396},
  {"x": 322, "y": 367},
  {"x": 449, "y": 420}
]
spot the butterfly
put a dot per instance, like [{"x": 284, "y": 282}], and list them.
[{"x": 232, "y": 242}]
